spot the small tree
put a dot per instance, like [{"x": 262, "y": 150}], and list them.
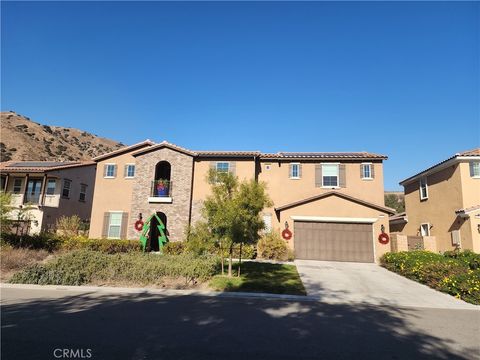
[
  {"x": 5, "y": 210},
  {"x": 69, "y": 225},
  {"x": 395, "y": 202},
  {"x": 233, "y": 211}
]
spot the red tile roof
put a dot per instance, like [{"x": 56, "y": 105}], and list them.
[
  {"x": 40, "y": 166},
  {"x": 124, "y": 150}
]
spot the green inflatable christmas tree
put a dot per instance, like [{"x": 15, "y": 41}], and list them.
[{"x": 153, "y": 236}]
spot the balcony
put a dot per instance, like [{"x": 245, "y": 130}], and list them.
[{"x": 160, "y": 191}]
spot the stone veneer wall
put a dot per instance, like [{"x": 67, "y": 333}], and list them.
[{"x": 178, "y": 211}]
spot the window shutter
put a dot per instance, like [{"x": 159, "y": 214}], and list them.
[
  {"x": 342, "y": 178},
  {"x": 299, "y": 170},
  {"x": 104, "y": 170},
  {"x": 213, "y": 165},
  {"x": 372, "y": 171},
  {"x": 318, "y": 175},
  {"x": 123, "y": 229},
  {"x": 232, "y": 167},
  {"x": 125, "y": 171},
  {"x": 472, "y": 172},
  {"x": 114, "y": 170},
  {"x": 106, "y": 220},
  {"x": 361, "y": 171},
  {"x": 290, "y": 170}
]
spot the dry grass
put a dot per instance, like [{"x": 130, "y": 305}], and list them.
[{"x": 12, "y": 260}]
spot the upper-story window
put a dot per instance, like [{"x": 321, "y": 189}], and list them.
[
  {"x": 129, "y": 170},
  {"x": 223, "y": 167},
  {"x": 110, "y": 171},
  {"x": 17, "y": 185},
  {"x": 51, "y": 185},
  {"x": 425, "y": 229},
  {"x": 423, "y": 188},
  {"x": 83, "y": 193},
  {"x": 330, "y": 175},
  {"x": 366, "y": 171},
  {"x": 295, "y": 171},
  {"x": 67, "y": 185},
  {"x": 475, "y": 169}
]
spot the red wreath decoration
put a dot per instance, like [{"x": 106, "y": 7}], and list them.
[
  {"x": 287, "y": 234},
  {"x": 383, "y": 238},
  {"x": 139, "y": 225}
]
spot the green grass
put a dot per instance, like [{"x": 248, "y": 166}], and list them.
[{"x": 261, "y": 277}]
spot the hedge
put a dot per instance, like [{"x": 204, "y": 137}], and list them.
[{"x": 455, "y": 273}]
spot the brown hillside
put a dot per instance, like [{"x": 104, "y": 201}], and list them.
[{"x": 23, "y": 139}]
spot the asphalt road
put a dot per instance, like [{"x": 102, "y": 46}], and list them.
[{"x": 40, "y": 323}]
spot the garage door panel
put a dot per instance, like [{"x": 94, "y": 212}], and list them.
[{"x": 333, "y": 241}]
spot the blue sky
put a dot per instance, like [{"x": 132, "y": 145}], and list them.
[{"x": 401, "y": 79}]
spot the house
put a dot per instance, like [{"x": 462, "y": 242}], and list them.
[
  {"x": 331, "y": 203},
  {"x": 51, "y": 189},
  {"x": 444, "y": 201}
]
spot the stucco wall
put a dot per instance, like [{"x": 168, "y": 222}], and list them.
[
  {"x": 111, "y": 194},
  {"x": 178, "y": 211},
  {"x": 334, "y": 206}
]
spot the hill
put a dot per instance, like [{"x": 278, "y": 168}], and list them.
[{"x": 24, "y": 139}]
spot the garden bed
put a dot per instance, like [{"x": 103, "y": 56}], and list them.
[{"x": 455, "y": 273}]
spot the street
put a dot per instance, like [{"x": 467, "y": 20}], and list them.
[{"x": 36, "y": 323}]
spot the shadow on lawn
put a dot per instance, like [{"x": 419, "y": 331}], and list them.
[{"x": 143, "y": 326}]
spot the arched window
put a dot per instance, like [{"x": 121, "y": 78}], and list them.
[
  {"x": 161, "y": 185},
  {"x": 163, "y": 170}
]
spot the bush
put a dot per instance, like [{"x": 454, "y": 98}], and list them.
[
  {"x": 17, "y": 259},
  {"x": 174, "y": 248},
  {"x": 108, "y": 246},
  {"x": 272, "y": 247},
  {"x": 69, "y": 225},
  {"x": 45, "y": 241},
  {"x": 85, "y": 266},
  {"x": 199, "y": 240},
  {"x": 456, "y": 273}
]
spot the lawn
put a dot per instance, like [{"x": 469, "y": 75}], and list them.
[
  {"x": 455, "y": 273},
  {"x": 262, "y": 277}
]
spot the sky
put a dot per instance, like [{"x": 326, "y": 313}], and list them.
[{"x": 400, "y": 79}]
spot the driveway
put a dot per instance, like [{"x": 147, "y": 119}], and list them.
[{"x": 346, "y": 282}]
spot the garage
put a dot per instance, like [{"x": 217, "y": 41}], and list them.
[{"x": 333, "y": 241}]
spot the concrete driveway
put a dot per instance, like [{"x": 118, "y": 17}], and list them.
[{"x": 345, "y": 282}]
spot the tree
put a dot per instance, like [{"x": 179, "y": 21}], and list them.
[
  {"x": 5, "y": 210},
  {"x": 396, "y": 202},
  {"x": 233, "y": 211}
]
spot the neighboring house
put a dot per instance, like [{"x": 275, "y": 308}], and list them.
[
  {"x": 52, "y": 189},
  {"x": 444, "y": 201},
  {"x": 333, "y": 203}
]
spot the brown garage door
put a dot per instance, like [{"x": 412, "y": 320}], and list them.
[{"x": 333, "y": 241}]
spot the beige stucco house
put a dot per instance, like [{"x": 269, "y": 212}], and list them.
[
  {"x": 51, "y": 189},
  {"x": 332, "y": 202},
  {"x": 444, "y": 201}
]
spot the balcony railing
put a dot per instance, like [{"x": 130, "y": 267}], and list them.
[
  {"x": 161, "y": 189},
  {"x": 32, "y": 198}
]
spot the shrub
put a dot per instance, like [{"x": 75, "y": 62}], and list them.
[
  {"x": 199, "y": 240},
  {"x": 69, "y": 225},
  {"x": 45, "y": 241},
  {"x": 455, "y": 272},
  {"x": 272, "y": 247},
  {"x": 174, "y": 248},
  {"x": 108, "y": 246},
  {"x": 85, "y": 266}
]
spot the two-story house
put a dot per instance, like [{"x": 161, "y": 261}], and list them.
[
  {"x": 332, "y": 203},
  {"x": 51, "y": 190},
  {"x": 444, "y": 201}
]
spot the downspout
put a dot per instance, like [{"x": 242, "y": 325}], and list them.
[{"x": 191, "y": 193}]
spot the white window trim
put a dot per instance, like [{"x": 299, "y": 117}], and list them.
[
  {"x": 338, "y": 176},
  {"x": 54, "y": 189},
  {"x": 420, "y": 188},
  {"x": 476, "y": 176},
  {"x": 222, "y": 162},
  {"x": 134, "y": 171},
  {"x": 109, "y": 177},
  {"x": 108, "y": 230},
  {"x": 298, "y": 171},
  {"x": 428, "y": 229},
  {"x": 363, "y": 173},
  {"x": 65, "y": 181}
]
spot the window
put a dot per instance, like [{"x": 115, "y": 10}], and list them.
[
  {"x": 425, "y": 229},
  {"x": 423, "y": 189},
  {"x": 294, "y": 171},
  {"x": 223, "y": 167},
  {"x": 83, "y": 192},
  {"x": 330, "y": 175},
  {"x": 17, "y": 185},
  {"x": 110, "y": 170},
  {"x": 114, "y": 225},
  {"x": 129, "y": 170},
  {"x": 267, "y": 220},
  {"x": 66, "y": 188},
  {"x": 51, "y": 185},
  {"x": 475, "y": 169},
  {"x": 366, "y": 171}
]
